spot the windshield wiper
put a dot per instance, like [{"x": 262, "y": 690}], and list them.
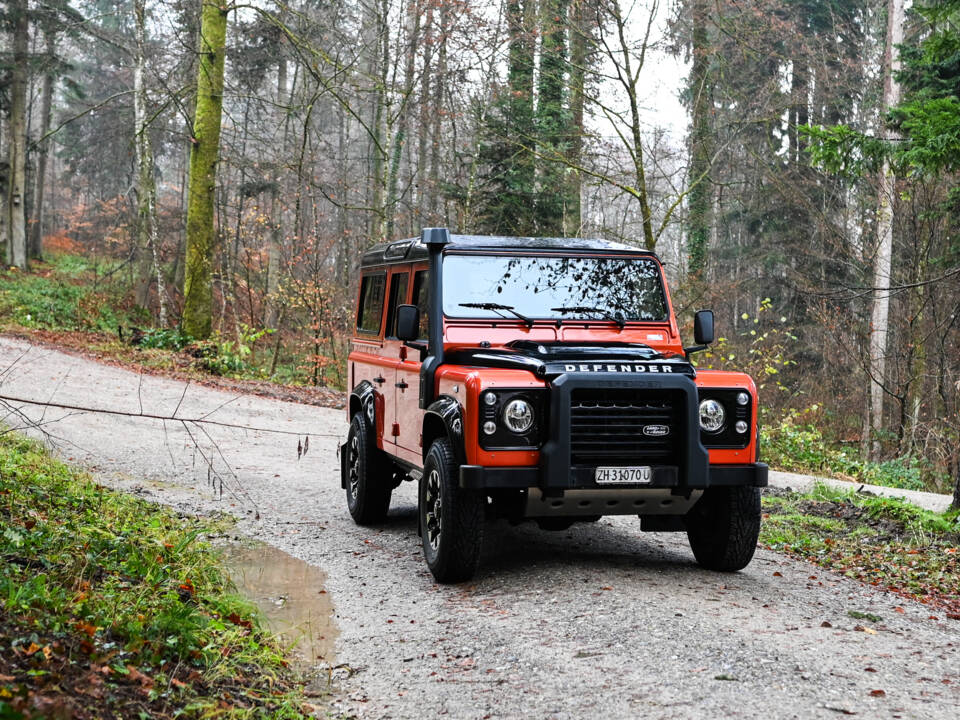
[
  {"x": 497, "y": 306},
  {"x": 618, "y": 319}
]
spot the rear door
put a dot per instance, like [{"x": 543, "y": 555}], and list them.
[
  {"x": 393, "y": 349},
  {"x": 369, "y": 360},
  {"x": 409, "y": 414}
]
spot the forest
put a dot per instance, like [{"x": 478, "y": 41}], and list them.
[{"x": 207, "y": 174}]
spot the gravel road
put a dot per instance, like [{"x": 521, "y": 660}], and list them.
[{"x": 597, "y": 621}]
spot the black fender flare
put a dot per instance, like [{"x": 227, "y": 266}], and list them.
[
  {"x": 444, "y": 418},
  {"x": 363, "y": 397}
]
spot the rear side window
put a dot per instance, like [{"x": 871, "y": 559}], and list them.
[
  {"x": 398, "y": 296},
  {"x": 371, "y": 303},
  {"x": 420, "y": 300}
]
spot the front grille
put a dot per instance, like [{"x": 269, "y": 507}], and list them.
[{"x": 606, "y": 427}]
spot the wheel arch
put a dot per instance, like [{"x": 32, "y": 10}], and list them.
[
  {"x": 444, "y": 418},
  {"x": 363, "y": 397}
]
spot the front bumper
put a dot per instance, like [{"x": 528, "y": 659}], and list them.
[{"x": 478, "y": 477}]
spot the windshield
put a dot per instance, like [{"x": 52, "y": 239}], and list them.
[{"x": 621, "y": 289}]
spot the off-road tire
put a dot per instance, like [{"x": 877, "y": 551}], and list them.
[
  {"x": 451, "y": 538},
  {"x": 368, "y": 478},
  {"x": 723, "y": 527}
]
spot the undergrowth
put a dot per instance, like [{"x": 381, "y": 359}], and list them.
[
  {"x": 116, "y": 605},
  {"x": 878, "y": 540},
  {"x": 797, "y": 446},
  {"x": 73, "y": 293}
]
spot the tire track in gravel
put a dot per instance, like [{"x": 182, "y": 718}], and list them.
[{"x": 596, "y": 621}]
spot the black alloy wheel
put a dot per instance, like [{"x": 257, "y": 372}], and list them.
[
  {"x": 368, "y": 479},
  {"x": 451, "y": 517}
]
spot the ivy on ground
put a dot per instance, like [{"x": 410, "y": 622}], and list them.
[
  {"x": 113, "y": 607},
  {"x": 884, "y": 542}
]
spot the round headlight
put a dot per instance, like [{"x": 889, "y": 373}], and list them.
[
  {"x": 489, "y": 427},
  {"x": 743, "y": 398},
  {"x": 518, "y": 416},
  {"x": 741, "y": 427},
  {"x": 712, "y": 416},
  {"x": 490, "y": 398}
]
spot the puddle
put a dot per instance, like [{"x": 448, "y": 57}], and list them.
[{"x": 291, "y": 595}]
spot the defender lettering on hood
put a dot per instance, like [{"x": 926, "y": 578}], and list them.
[{"x": 618, "y": 367}]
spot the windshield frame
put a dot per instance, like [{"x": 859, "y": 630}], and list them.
[{"x": 561, "y": 318}]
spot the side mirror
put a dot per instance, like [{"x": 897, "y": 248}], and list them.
[
  {"x": 703, "y": 327},
  {"x": 408, "y": 322}
]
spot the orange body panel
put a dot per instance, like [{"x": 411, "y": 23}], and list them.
[{"x": 741, "y": 381}]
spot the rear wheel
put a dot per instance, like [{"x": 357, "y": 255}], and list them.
[
  {"x": 451, "y": 518},
  {"x": 723, "y": 527},
  {"x": 368, "y": 478}
]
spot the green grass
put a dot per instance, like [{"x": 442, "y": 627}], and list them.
[
  {"x": 95, "y": 583},
  {"x": 881, "y": 541},
  {"x": 64, "y": 294}
]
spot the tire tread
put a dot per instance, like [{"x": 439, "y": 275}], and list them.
[
  {"x": 374, "y": 491},
  {"x": 724, "y": 526},
  {"x": 464, "y": 512}
]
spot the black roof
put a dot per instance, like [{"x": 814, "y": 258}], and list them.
[{"x": 412, "y": 250}]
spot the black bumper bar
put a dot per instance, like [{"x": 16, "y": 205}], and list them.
[{"x": 478, "y": 477}]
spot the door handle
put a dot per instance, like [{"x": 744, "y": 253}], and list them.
[
  {"x": 402, "y": 385},
  {"x": 379, "y": 380}
]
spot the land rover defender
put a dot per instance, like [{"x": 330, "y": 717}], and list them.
[{"x": 544, "y": 380}]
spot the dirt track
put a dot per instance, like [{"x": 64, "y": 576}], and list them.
[{"x": 597, "y": 621}]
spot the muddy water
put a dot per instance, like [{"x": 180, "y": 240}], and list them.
[{"x": 291, "y": 595}]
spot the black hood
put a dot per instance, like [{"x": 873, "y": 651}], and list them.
[{"x": 550, "y": 359}]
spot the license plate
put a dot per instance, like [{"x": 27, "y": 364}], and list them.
[{"x": 623, "y": 475}]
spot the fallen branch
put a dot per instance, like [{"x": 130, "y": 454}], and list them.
[{"x": 203, "y": 420}]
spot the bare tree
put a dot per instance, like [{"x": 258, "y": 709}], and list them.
[
  {"x": 16, "y": 220},
  {"x": 147, "y": 237},
  {"x": 879, "y": 319}
]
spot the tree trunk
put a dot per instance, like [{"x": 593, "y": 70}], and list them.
[
  {"x": 147, "y": 236},
  {"x": 552, "y": 118},
  {"x": 579, "y": 34},
  {"x": 403, "y": 121},
  {"x": 422, "y": 184},
  {"x": 17, "y": 139},
  {"x": 197, "y": 290},
  {"x": 799, "y": 111},
  {"x": 701, "y": 146},
  {"x": 439, "y": 95},
  {"x": 629, "y": 80},
  {"x": 522, "y": 21},
  {"x": 345, "y": 253},
  {"x": 276, "y": 209},
  {"x": 35, "y": 250},
  {"x": 376, "y": 40},
  {"x": 879, "y": 321}
]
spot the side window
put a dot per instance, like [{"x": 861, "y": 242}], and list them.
[
  {"x": 420, "y": 300},
  {"x": 398, "y": 296},
  {"x": 371, "y": 303}
]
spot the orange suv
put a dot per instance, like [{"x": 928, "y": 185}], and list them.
[{"x": 545, "y": 380}]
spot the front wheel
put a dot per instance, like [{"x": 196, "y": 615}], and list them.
[
  {"x": 367, "y": 480},
  {"x": 451, "y": 518},
  {"x": 723, "y": 527}
]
